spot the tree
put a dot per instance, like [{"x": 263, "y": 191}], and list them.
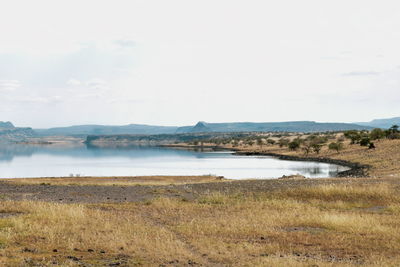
[
  {"x": 250, "y": 142},
  {"x": 307, "y": 147},
  {"x": 336, "y": 146},
  {"x": 316, "y": 147},
  {"x": 260, "y": 142},
  {"x": 393, "y": 132},
  {"x": 283, "y": 142},
  {"x": 365, "y": 141},
  {"x": 271, "y": 141},
  {"x": 294, "y": 145},
  {"x": 395, "y": 128},
  {"x": 377, "y": 133},
  {"x": 353, "y": 135}
]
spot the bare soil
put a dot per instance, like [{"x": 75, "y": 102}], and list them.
[{"x": 135, "y": 193}]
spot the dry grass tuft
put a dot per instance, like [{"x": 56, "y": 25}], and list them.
[
  {"x": 330, "y": 225},
  {"x": 117, "y": 181}
]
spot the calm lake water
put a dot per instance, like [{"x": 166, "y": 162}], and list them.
[{"x": 18, "y": 161}]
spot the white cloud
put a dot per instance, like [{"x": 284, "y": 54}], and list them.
[
  {"x": 361, "y": 73},
  {"x": 125, "y": 43},
  {"x": 74, "y": 82},
  {"x": 180, "y": 61},
  {"x": 9, "y": 85}
]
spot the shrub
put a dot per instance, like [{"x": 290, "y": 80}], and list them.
[
  {"x": 260, "y": 142},
  {"x": 377, "y": 134},
  {"x": 353, "y": 135},
  {"x": 294, "y": 145},
  {"x": 307, "y": 148},
  {"x": 316, "y": 147},
  {"x": 336, "y": 146},
  {"x": 365, "y": 141},
  {"x": 393, "y": 132},
  {"x": 283, "y": 142},
  {"x": 271, "y": 141}
]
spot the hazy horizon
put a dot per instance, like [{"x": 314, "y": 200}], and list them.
[
  {"x": 182, "y": 125},
  {"x": 175, "y": 63}
]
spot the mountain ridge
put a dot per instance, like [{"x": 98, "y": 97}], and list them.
[
  {"x": 381, "y": 123},
  {"x": 290, "y": 126},
  {"x": 10, "y": 133}
]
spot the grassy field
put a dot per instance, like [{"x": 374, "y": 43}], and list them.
[
  {"x": 342, "y": 225},
  {"x": 117, "y": 181},
  {"x": 384, "y": 159},
  {"x": 332, "y": 224}
]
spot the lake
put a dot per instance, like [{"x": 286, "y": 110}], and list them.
[{"x": 18, "y": 161}]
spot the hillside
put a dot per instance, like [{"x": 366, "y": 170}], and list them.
[
  {"x": 291, "y": 126},
  {"x": 10, "y": 133},
  {"x": 105, "y": 129},
  {"x": 200, "y": 127},
  {"x": 382, "y": 123}
]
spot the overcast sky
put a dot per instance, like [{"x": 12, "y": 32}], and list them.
[{"x": 179, "y": 62}]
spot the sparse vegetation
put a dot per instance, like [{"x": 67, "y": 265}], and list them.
[
  {"x": 343, "y": 225},
  {"x": 337, "y": 146},
  {"x": 294, "y": 145},
  {"x": 350, "y": 223}
]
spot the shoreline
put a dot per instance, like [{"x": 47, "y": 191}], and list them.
[{"x": 357, "y": 170}]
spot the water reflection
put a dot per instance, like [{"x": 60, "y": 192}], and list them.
[{"x": 53, "y": 160}]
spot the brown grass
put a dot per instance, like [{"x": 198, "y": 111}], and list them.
[
  {"x": 117, "y": 180},
  {"x": 384, "y": 160},
  {"x": 329, "y": 225}
]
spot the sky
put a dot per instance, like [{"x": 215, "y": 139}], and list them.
[{"x": 178, "y": 62}]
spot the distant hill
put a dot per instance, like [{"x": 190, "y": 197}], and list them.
[
  {"x": 381, "y": 123},
  {"x": 6, "y": 125},
  {"x": 200, "y": 127},
  {"x": 10, "y": 133},
  {"x": 104, "y": 130},
  {"x": 291, "y": 126}
]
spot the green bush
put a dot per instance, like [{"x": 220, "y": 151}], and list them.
[
  {"x": 336, "y": 146},
  {"x": 377, "y": 134},
  {"x": 365, "y": 141},
  {"x": 294, "y": 145}
]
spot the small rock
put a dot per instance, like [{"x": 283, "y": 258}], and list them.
[
  {"x": 90, "y": 250},
  {"x": 29, "y": 250},
  {"x": 296, "y": 176},
  {"x": 73, "y": 258}
]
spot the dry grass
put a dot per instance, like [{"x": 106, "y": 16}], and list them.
[
  {"x": 384, "y": 160},
  {"x": 122, "y": 181},
  {"x": 330, "y": 225}
]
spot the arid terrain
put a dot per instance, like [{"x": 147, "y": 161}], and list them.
[{"x": 209, "y": 221}]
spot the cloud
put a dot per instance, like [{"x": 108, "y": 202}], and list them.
[
  {"x": 361, "y": 73},
  {"x": 97, "y": 84},
  {"x": 40, "y": 99},
  {"x": 74, "y": 82},
  {"x": 9, "y": 85},
  {"x": 125, "y": 43}
]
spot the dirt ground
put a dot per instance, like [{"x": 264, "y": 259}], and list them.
[{"x": 75, "y": 193}]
